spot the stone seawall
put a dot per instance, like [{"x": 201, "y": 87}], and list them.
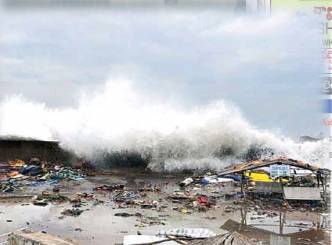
[{"x": 26, "y": 149}]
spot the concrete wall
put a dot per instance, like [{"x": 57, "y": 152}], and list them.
[{"x": 26, "y": 149}]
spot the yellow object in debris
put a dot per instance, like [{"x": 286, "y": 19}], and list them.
[
  {"x": 13, "y": 174},
  {"x": 263, "y": 177},
  {"x": 17, "y": 163},
  {"x": 259, "y": 176}
]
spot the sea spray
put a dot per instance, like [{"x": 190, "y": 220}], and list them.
[{"x": 126, "y": 125}]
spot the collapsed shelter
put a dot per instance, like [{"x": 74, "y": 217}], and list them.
[{"x": 317, "y": 192}]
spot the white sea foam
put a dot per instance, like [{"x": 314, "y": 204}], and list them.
[{"x": 119, "y": 118}]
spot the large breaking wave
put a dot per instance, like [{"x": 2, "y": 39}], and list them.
[{"x": 122, "y": 121}]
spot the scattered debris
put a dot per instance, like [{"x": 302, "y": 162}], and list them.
[
  {"x": 72, "y": 212},
  {"x": 128, "y": 215},
  {"x": 109, "y": 187},
  {"x": 127, "y": 197},
  {"x": 237, "y": 190},
  {"x": 16, "y": 174},
  {"x": 188, "y": 232},
  {"x": 186, "y": 182}
]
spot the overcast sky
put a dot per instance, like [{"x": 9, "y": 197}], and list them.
[{"x": 269, "y": 68}]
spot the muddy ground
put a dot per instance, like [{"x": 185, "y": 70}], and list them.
[{"x": 98, "y": 223}]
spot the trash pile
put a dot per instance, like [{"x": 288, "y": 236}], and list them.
[
  {"x": 210, "y": 178},
  {"x": 274, "y": 183},
  {"x": 183, "y": 201},
  {"x": 16, "y": 174},
  {"x": 46, "y": 197}
]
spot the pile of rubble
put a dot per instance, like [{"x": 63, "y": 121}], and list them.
[{"x": 16, "y": 174}]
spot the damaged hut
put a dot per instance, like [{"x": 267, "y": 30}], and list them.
[{"x": 284, "y": 177}]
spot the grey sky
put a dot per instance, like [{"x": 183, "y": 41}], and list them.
[{"x": 269, "y": 68}]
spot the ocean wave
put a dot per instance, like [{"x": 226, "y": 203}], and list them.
[{"x": 120, "y": 124}]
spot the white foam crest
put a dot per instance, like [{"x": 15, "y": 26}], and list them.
[{"x": 119, "y": 118}]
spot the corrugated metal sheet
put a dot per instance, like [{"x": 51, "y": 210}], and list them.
[{"x": 302, "y": 193}]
